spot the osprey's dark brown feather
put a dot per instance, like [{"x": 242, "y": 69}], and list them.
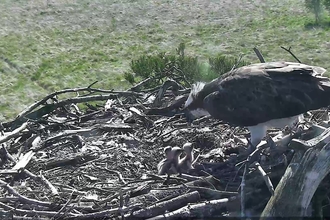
[{"x": 257, "y": 93}]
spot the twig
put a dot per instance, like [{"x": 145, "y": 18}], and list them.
[
  {"x": 237, "y": 63},
  {"x": 31, "y": 212},
  {"x": 23, "y": 198},
  {"x": 120, "y": 177},
  {"x": 102, "y": 214},
  {"x": 21, "y": 164},
  {"x": 112, "y": 94},
  {"x": 289, "y": 50},
  {"x": 140, "y": 84},
  {"x": 163, "y": 88},
  {"x": 169, "y": 132},
  {"x": 63, "y": 207},
  {"x": 49, "y": 184},
  {"x": 14, "y": 133},
  {"x": 259, "y": 55},
  {"x": 243, "y": 191},
  {"x": 183, "y": 76},
  {"x": 196, "y": 211},
  {"x": 266, "y": 178},
  {"x": 25, "y": 171},
  {"x": 162, "y": 207}
]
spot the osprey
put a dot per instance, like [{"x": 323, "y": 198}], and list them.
[{"x": 261, "y": 96}]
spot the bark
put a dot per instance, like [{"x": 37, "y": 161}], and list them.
[{"x": 301, "y": 179}]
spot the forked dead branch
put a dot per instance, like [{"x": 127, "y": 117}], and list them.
[{"x": 58, "y": 161}]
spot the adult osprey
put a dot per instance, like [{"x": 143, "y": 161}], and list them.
[{"x": 261, "y": 96}]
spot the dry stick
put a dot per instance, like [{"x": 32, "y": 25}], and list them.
[
  {"x": 26, "y": 200},
  {"x": 30, "y": 212},
  {"x": 25, "y": 171},
  {"x": 86, "y": 89},
  {"x": 238, "y": 61},
  {"x": 242, "y": 191},
  {"x": 49, "y": 184},
  {"x": 120, "y": 177},
  {"x": 183, "y": 76},
  {"x": 69, "y": 189},
  {"x": 143, "y": 82},
  {"x": 201, "y": 210},
  {"x": 48, "y": 108},
  {"x": 259, "y": 55},
  {"x": 15, "y": 217},
  {"x": 21, "y": 164},
  {"x": 162, "y": 207},
  {"x": 64, "y": 206},
  {"x": 23, "y": 198},
  {"x": 289, "y": 50},
  {"x": 63, "y": 134},
  {"x": 207, "y": 192},
  {"x": 266, "y": 178},
  {"x": 108, "y": 199},
  {"x": 163, "y": 88},
  {"x": 14, "y": 133},
  {"x": 102, "y": 214},
  {"x": 121, "y": 203},
  {"x": 302, "y": 177},
  {"x": 169, "y": 132}
]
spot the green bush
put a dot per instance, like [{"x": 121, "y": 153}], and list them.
[
  {"x": 163, "y": 65},
  {"x": 222, "y": 64},
  {"x": 129, "y": 77}
]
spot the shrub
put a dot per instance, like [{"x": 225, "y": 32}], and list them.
[
  {"x": 221, "y": 64},
  {"x": 162, "y": 65}
]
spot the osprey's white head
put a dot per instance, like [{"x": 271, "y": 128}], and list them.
[{"x": 196, "y": 88}]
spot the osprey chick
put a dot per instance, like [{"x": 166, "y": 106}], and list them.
[
  {"x": 185, "y": 163},
  {"x": 261, "y": 96},
  {"x": 169, "y": 165}
]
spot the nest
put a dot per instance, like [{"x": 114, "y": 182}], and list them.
[{"x": 60, "y": 163}]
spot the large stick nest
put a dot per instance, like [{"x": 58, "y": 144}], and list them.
[{"x": 60, "y": 163}]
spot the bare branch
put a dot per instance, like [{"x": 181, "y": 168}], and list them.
[
  {"x": 259, "y": 55},
  {"x": 289, "y": 50}
]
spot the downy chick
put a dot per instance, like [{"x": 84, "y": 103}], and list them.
[
  {"x": 185, "y": 164},
  {"x": 169, "y": 165}
]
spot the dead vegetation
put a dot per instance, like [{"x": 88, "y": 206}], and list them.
[{"x": 58, "y": 162}]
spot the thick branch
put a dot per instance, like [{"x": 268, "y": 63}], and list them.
[
  {"x": 301, "y": 179},
  {"x": 169, "y": 205}
]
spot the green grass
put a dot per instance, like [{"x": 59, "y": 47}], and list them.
[{"x": 72, "y": 43}]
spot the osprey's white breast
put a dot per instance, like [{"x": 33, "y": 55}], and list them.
[{"x": 259, "y": 131}]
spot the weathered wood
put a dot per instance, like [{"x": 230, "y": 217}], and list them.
[
  {"x": 204, "y": 210},
  {"x": 167, "y": 84},
  {"x": 259, "y": 55},
  {"x": 21, "y": 164},
  {"x": 171, "y": 109},
  {"x": 301, "y": 179},
  {"x": 162, "y": 207},
  {"x": 14, "y": 133}
]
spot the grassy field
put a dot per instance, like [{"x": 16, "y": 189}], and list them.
[{"x": 52, "y": 45}]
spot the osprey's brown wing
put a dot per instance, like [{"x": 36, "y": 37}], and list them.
[{"x": 261, "y": 92}]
